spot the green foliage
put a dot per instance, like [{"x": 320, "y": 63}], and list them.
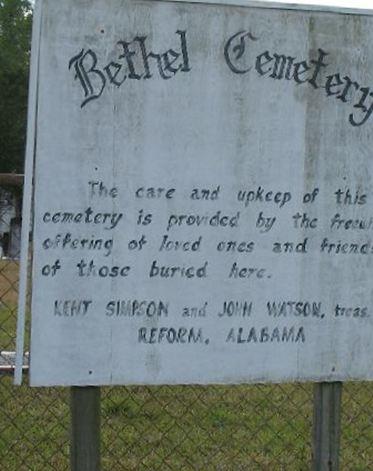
[{"x": 15, "y": 42}]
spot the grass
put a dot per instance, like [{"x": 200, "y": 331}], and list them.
[
  {"x": 203, "y": 428},
  {"x": 263, "y": 427},
  {"x": 8, "y": 303}
]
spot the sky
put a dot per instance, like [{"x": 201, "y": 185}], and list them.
[{"x": 366, "y": 4}]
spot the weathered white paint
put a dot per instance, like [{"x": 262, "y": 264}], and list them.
[
  {"x": 28, "y": 191},
  {"x": 200, "y": 128}
]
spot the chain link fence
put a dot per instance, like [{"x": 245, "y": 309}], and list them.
[{"x": 262, "y": 427}]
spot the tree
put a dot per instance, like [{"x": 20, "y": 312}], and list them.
[{"x": 15, "y": 45}]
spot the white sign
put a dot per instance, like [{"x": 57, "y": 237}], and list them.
[{"x": 203, "y": 195}]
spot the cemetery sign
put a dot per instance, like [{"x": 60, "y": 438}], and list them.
[{"x": 203, "y": 194}]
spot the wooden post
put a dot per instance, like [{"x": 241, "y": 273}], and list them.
[
  {"x": 327, "y": 426},
  {"x": 85, "y": 428}
]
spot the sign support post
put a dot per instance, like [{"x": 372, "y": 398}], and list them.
[
  {"x": 327, "y": 426},
  {"x": 85, "y": 428}
]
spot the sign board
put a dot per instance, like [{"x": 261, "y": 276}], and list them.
[{"x": 203, "y": 195}]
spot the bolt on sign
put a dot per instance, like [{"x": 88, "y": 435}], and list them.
[{"x": 203, "y": 194}]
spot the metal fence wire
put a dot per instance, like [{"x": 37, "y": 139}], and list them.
[{"x": 261, "y": 427}]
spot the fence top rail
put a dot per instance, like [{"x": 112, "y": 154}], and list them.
[{"x": 13, "y": 179}]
